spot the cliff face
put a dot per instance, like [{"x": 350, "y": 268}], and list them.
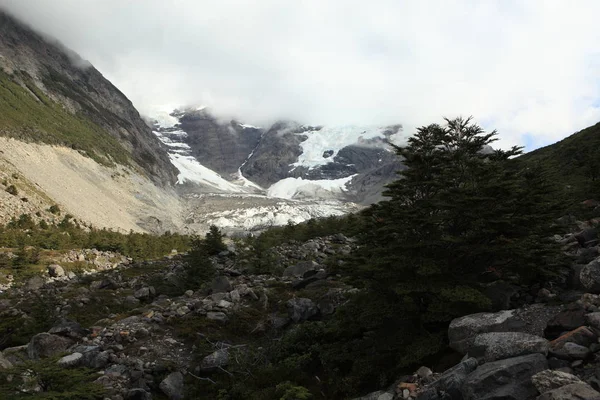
[
  {"x": 222, "y": 147},
  {"x": 41, "y": 66}
]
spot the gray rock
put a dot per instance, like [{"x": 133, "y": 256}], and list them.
[
  {"x": 55, "y": 271},
  {"x": 300, "y": 269},
  {"x": 145, "y": 293},
  {"x": 72, "y": 360},
  {"x": 593, "y": 320},
  {"x": 450, "y": 382},
  {"x": 16, "y": 355},
  {"x": 138, "y": 394},
  {"x": 70, "y": 329},
  {"x": 508, "y": 379},
  {"x": 379, "y": 395},
  {"x": 45, "y": 345},
  {"x": 216, "y": 316},
  {"x": 494, "y": 346},
  {"x": 4, "y": 362},
  {"x": 221, "y": 285},
  {"x": 172, "y": 386},
  {"x": 424, "y": 373},
  {"x": 35, "y": 283},
  {"x": 575, "y": 351},
  {"x": 219, "y": 358},
  {"x": 548, "y": 380},
  {"x": 462, "y": 331},
  {"x": 582, "y": 336},
  {"x": 574, "y": 391},
  {"x": 301, "y": 309},
  {"x": 531, "y": 319},
  {"x": 589, "y": 276}
]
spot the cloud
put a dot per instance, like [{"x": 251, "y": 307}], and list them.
[{"x": 528, "y": 70}]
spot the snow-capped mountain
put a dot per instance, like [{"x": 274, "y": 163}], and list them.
[{"x": 240, "y": 176}]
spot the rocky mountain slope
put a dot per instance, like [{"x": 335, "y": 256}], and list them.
[{"x": 50, "y": 94}]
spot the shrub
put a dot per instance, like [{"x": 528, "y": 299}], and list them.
[{"x": 12, "y": 190}]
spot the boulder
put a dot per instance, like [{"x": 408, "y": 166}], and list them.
[
  {"x": 145, "y": 293},
  {"x": 582, "y": 336},
  {"x": 69, "y": 329},
  {"x": 531, "y": 319},
  {"x": 574, "y": 391},
  {"x": 138, "y": 394},
  {"x": 72, "y": 360},
  {"x": 35, "y": 283},
  {"x": 219, "y": 358},
  {"x": 379, "y": 395},
  {"x": 575, "y": 351},
  {"x": 593, "y": 320},
  {"x": 568, "y": 319},
  {"x": 45, "y": 345},
  {"x": 587, "y": 237},
  {"x": 508, "y": 379},
  {"x": 217, "y": 316},
  {"x": 462, "y": 331},
  {"x": 300, "y": 269},
  {"x": 301, "y": 309},
  {"x": 55, "y": 271},
  {"x": 450, "y": 382},
  {"x": 589, "y": 276},
  {"x": 549, "y": 380},
  {"x": 221, "y": 285},
  {"x": 494, "y": 346},
  {"x": 4, "y": 362},
  {"x": 172, "y": 386}
]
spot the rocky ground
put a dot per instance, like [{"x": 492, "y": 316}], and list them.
[
  {"x": 547, "y": 350},
  {"x": 144, "y": 336}
]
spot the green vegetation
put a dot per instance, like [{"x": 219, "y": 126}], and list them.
[
  {"x": 30, "y": 115},
  {"x": 573, "y": 162},
  {"x": 67, "y": 234},
  {"x": 44, "y": 379}
]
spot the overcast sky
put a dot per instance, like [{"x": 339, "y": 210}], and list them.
[{"x": 527, "y": 68}]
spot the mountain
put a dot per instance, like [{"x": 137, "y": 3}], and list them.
[
  {"x": 72, "y": 139},
  {"x": 242, "y": 177},
  {"x": 287, "y": 160},
  {"x": 69, "y": 138},
  {"x": 49, "y": 94}
]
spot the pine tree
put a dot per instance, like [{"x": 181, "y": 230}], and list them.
[{"x": 459, "y": 214}]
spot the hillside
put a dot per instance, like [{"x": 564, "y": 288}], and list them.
[
  {"x": 49, "y": 94},
  {"x": 573, "y": 161}
]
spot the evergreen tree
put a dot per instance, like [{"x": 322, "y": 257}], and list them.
[{"x": 459, "y": 214}]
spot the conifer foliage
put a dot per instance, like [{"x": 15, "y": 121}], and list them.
[{"x": 461, "y": 214}]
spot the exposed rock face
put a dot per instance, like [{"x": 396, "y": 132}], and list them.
[
  {"x": 574, "y": 391},
  {"x": 172, "y": 386},
  {"x": 65, "y": 77},
  {"x": 548, "y": 380},
  {"x": 500, "y": 345},
  {"x": 45, "y": 345},
  {"x": 450, "y": 382},
  {"x": 505, "y": 379},
  {"x": 222, "y": 147},
  {"x": 533, "y": 320},
  {"x": 590, "y": 276}
]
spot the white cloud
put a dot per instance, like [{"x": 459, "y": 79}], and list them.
[{"x": 528, "y": 69}]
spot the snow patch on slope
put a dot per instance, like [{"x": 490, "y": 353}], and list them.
[
  {"x": 334, "y": 139},
  {"x": 298, "y": 188}
]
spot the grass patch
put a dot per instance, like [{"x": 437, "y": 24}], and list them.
[{"x": 30, "y": 115}]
